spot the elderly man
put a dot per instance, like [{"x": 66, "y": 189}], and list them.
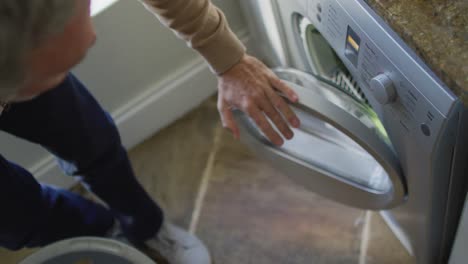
[{"x": 41, "y": 41}]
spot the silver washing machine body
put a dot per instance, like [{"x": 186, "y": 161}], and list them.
[{"x": 366, "y": 101}]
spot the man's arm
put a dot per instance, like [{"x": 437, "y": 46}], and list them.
[
  {"x": 204, "y": 27},
  {"x": 244, "y": 82}
]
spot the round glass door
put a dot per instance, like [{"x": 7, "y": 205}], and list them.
[
  {"x": 336, "y": 153},
  {"x": 341, "y": 149}
]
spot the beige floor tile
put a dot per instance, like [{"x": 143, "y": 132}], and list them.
[
  {"x": 253, "y": 214},
  {"x": 13, "y": 257},
  {"x": 170, "y": 164},
  {"x": 384, "y": 247}
]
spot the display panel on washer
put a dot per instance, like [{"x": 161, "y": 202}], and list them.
[{"x": 353, "y": 43}]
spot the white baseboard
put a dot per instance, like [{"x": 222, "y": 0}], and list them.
[
  {"x": 158, "y": 107},
  {"x": 144, "y": 115}
]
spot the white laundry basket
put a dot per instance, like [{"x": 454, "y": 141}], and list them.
[{"x": 88, "y": 250}]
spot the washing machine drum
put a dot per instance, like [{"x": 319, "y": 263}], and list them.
[{"x": 88, "y": 250}]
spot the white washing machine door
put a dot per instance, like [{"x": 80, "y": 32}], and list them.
[{"x": 341, "y": 150}]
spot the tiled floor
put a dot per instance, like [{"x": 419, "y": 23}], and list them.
[{"x": 246, "y": 211}]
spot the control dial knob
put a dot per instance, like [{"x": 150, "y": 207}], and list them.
[{"x": 382, "y": 88}]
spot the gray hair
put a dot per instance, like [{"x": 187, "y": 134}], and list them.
[{"x": 24, "y": 24}]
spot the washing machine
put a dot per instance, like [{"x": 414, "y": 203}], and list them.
[{"x": 379, "y": 130}]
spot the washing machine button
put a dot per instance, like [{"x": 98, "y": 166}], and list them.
[
  {"x": 426, "y": 130},
  {"x": 319, "y": 18},
  {"x": 383, "y": 89}
]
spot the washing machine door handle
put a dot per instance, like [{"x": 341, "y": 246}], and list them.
[{"x": 337, "y": 152}]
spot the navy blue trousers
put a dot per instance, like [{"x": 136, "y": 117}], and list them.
[{"x": 69, "y": 123}]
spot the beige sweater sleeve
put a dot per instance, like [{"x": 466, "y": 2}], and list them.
[{"x": 204, "y": 27}]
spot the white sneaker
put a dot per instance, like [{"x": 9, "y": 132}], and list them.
[
  {"x": 177, "y": 246},
  {"x": 116, "y": 233}
]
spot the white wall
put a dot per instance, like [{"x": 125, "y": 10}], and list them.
[{"x": 140, "y": 72}]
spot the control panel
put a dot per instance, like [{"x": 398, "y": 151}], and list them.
[{"x": 397, "y": 85}]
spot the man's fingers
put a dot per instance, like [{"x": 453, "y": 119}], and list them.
[
  {"x": 231, "y": 123},
  {"x": 227, "y": 119},
  {"x": 276, "y": 117},
  {"x": 262, "y": 122},
  {"x": 283, "y": 88},
  {"x": 284, "y": 108}
]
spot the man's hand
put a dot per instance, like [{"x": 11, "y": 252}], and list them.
[{"x": 252, "y": 87}]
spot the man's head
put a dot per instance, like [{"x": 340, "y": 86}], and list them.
[{"x": 40, "y": 41}]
